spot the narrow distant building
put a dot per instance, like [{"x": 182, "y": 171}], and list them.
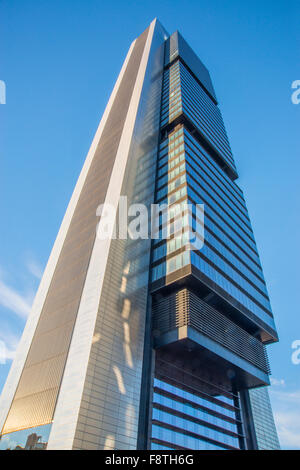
[{"x": 140, "y": 343}]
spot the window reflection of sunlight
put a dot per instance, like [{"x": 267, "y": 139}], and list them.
[
  {"x": 126, "y": 309},
  {"x": 126, "y": 269},
  {"x": 126, "y": 345},
  {"x": 109, "y": 442},
  {"x": 123, "y": 284},
  {"x": 128, "y": 355},
  {"x": 96, "y": 338},
  {"x": 35, "y": 438},
  {"x": 130, "y": 417},
  {"x": 126, "y": 332},
  {"x": 119, "y": 378}
]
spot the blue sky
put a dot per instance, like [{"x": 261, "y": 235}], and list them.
[{"x": 60, "y": 60}]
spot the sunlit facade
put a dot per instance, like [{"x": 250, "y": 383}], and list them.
[{"x": 150, "y": 343}]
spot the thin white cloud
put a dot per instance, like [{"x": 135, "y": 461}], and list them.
[
  {"x": 9, "y": 343},
  {"x": 286, "y": 407},
  {"x": 286, "y": 398},
  {"x": 35, "y": 268},
  {"x": 276, "y": 382},
  {"x": 288, "y": 428},
  {"x": 14, "y": 301},
  {"x": 18, "y": 303}
]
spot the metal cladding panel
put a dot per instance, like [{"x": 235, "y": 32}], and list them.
[
  {"x": 186, "y": 309},
  {"x": 109, "y": 410},
  {"x": 53, "y": 334},
  {"x": 177, "y": 46},
  {"x": 30, "y": 411}
]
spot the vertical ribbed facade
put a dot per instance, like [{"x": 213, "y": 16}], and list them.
[
  {"x": 81, "y": 370},
  {"x": 39, "y": 383}
]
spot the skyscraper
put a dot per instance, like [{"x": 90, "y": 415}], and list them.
[{"x": 150, "y": 342}]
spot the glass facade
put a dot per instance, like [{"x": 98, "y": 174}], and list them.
[
  {"x": 27, "y": 439},
  {"x": 193, "y": 420},
  {"x": 263, "y": 420},
  {"x": 186, "y": 174},
  {"x": 215, "y": 258},
  {"x": 229, "y": 257}
]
